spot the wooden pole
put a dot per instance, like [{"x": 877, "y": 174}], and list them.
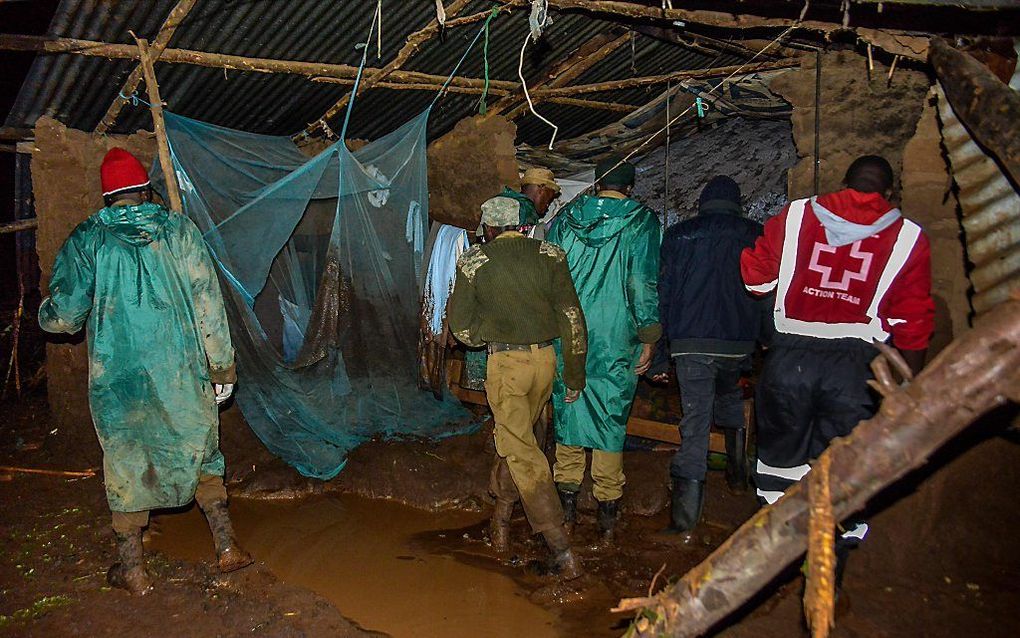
[
  {"x": 562, "y": 73},
  {"x": 977, "y": 372},
  {"x": 18, "y": 226},
  {"x": 321, "y": 71},
  {"x": 987, "y": 106},
  {"x": 650, "y": 80},
  {"x": 159, "y": 126},
  {"x": 163, "y": 37}
]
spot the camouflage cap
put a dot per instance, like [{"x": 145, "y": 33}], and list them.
[{"x": 499, "y": 212}]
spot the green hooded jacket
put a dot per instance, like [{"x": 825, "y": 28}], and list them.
[
  {"x": 142, "y": 283},
  {"x": 612, "y": 248}
]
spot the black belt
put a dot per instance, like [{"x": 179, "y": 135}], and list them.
[{"x": 504, "y": 347}]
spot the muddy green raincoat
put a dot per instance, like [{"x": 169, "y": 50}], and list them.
[
  {"x": 612, "y": 248},
  {"x": 140, "y": 279}
]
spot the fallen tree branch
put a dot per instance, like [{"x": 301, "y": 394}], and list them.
[
  {"x": 976, "y": 373},
  {"x": 988, "y": 107}
]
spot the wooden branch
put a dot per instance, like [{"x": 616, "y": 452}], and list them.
[
  {"x": 478, "y": 90},
  {"x": 411, "y": 45},
  {"x": 315, "y": 70},
  {"x": 697, "y": 74},
  {"x": 18, "y": 226},
  {"x": 989, "y": 108},
  {"x": 163, "y": 37},
  {"x": 159, "y": 126},
  {"x": 562, "y": 73},
  {"x": 976, "y": 373},
  {"x": 11, "y": 133},
  {"x": 62, "y": 473}
]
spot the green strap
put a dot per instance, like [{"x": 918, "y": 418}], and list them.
[{"x": 482, "y": 106}]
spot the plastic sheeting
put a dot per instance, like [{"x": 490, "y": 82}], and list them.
[{"x": 321, "y": 266}]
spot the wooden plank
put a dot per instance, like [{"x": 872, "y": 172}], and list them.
[{"x": 159, "y": 126}]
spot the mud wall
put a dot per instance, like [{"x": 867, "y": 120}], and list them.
[
  {"x": 755, "y": 153},
  {"x": 65, "y": 179},
  {"x": 468, "y": 165}
]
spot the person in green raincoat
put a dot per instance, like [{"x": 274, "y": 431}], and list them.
[
  {"x": 612, "y": 247},
  {"x": 139, "y": 278}
]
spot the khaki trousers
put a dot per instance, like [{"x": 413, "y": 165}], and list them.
[
  {"x": 210, "y": 490},
  {"x": 518, "y": 385},
  {"x": 606, "y": 471}
]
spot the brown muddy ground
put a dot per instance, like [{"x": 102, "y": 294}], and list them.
[{"x": 398, "y": 544}]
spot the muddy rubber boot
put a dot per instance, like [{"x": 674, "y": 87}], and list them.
[
  {"x": 130, "y": 573},
  {"x": 499, "y": 526},
  {"x": 569, "y": 502},
  {"x": 688, "y": 500},
  {"x": 736, "y": 459},
  {"x": 607, "y": 514},
  {"x": 564, "y": 562},
  {"x": 231, "y": 556}
]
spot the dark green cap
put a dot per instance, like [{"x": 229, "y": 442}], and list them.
[{"x": 615, "y": 172}]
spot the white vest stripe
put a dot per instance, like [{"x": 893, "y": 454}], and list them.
[{"x": 871, "y": 331}]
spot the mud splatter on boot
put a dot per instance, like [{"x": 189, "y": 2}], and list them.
[
  {"x": 568, "y": 499},
  {"x": 607, "y": 515},
  {"x": 499, "y": 525},
  {"x": 231, "y": 556},
  {"x": 564, "y": 562},
  {"x": 130, "y": 573}
]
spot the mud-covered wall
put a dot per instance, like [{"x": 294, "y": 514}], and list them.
[
  {"x": 755, "y": 153},
  {"x": 468, "y": 165},
  {"x": 65, "y": 179},
  {"x": 859, "y": 116}
]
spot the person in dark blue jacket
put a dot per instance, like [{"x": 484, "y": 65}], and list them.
[{"x": 710, "y": 328}]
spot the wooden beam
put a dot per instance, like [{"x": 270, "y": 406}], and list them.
[
  {"x": 650, "y": 80},
  {"x": 477, "y": 90},
  {"x": 977, "y": 372},
  {"x": 18, "y": 226},
  {"x": 562, "y": 73},
  {"x": 10, "y": 133},
  {"x": 989, "y": 108},
  {"x": 315, "y": 70},
  {"x": 159, "y": 126},
  {"x": 411, "y": 45},
  {"x": 162, "y": 39}
]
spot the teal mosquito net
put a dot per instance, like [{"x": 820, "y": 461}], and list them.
[{"x": 321, "y": 264}]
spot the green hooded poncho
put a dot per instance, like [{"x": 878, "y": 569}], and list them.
[
  {"x": 612, "y": 248},
  {"x": 140, "y": 279}
]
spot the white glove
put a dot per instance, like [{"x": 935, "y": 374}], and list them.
[{"x": 223, "y": 391}]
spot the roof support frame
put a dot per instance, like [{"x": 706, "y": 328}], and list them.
[{"x": 156, "y": 48}]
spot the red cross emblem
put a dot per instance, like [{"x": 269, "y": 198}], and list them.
[{"x": 828, "y": 276}]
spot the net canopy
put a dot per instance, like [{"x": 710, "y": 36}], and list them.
[{"x": 321, "y": 264}]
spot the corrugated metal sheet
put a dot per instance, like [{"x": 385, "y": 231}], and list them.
[
  {"x": 77, "y": 90},
  {"x": 991, "y": 213}
]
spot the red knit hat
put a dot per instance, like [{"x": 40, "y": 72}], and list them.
[{"x": 121, "y": 171}]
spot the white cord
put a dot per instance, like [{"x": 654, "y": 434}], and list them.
[{"x": 527, "y": 96}]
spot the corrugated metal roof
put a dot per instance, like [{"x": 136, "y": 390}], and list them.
[
  {"x": 991, "y": 213},
  {"x": 78, "y": 90}
]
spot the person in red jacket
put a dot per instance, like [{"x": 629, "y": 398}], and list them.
[{"x": 847, "y": 270}]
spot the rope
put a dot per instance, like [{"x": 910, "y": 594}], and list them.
[
  {"x": 133, "y": 99},
  {"x": 482, "y": 106},
  {"x": 361, "y": 68},
  {"x": 463, "y": 57}
]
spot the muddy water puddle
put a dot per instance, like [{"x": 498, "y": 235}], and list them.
[{"x": 389, "y": 567}]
